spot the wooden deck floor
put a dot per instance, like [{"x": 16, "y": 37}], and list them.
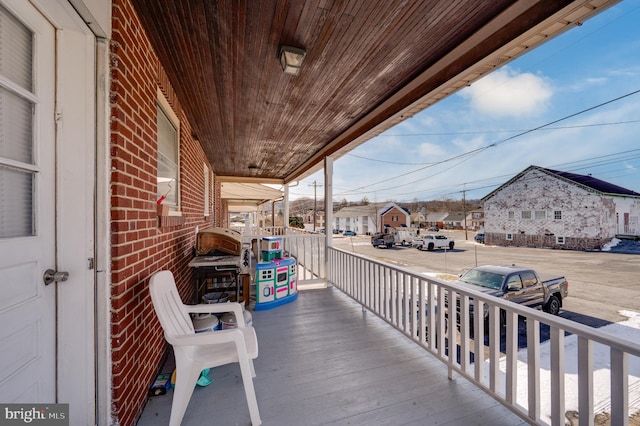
[{"x": 323, "y": 361}]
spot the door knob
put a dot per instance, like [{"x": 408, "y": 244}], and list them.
[{"x": 50, "y": 276}]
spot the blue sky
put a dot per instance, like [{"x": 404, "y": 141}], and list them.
[{"x": 481, "y": 136}]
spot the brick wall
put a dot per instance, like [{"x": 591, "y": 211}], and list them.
[
  {"x": 387, "y": 219},
  {"x": 141, "y": 243}
]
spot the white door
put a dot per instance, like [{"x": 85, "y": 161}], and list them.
[{"x": 27, "y": 205}]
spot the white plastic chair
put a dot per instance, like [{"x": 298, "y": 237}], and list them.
[{"x": 196, "y": 352}]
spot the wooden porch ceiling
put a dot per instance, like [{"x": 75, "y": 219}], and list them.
[{"x": 369, "y": 65}]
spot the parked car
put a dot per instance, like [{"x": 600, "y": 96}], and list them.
[
  {"x": 433, "y": 229},
  {"x": 382, "y": 240},
  {"x": 479, "y": 237},
  {"x": 436, "y": 241},
  {"x": 349, "y": 233},
  {"x": 516, "y": 284}
]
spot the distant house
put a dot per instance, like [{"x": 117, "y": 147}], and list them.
[
  {"x": 548, "y": 208},
  {"x": 319, "y": 218},
  {"x": 393, "y": 216},
  {"x": 435, "y": 219},
  {"x": 417, "y": 219},
  {"x": 455, "y": 220},
  {"x": 475, "y": 219},
  {"x": 371, "y": 218}
]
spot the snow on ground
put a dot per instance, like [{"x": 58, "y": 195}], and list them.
[
  {"x": 622, "y": 246},
  {"x": 628, "y": 330},
  {"x": 614, "y": 242}
]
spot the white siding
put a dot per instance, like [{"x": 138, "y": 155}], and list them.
[{"x": 630, "y": 207}]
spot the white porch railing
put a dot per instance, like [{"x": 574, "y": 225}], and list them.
[
  {"x": 308, "y": 249},
  {"x": 493, "y": 364}
]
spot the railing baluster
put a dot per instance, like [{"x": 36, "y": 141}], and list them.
[
  {"x": 464, "y": 332},
  {"x": 409, "y": 300},
  {"x": 619, "y": 387},
  {"x": 452, "y": 344},
  {"x": 440, "y": 334},
  {"x": 430, "y": 333},
  {"x": 478, "y": 340},
  {"x": 421, "y": 313},
  {"x": 533, "y": 368},
  {"x": 585, "y": 381},
  {"x": 511, "y": 390},
  {"x": 494, "y": 348},
  {"x": 400, "y": 296},
  {"x": 557, "y": 377}
]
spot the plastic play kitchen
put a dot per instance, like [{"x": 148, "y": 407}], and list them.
[{"x": 276, "y": 282}]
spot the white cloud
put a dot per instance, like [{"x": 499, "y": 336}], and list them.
[
  {"x": 430, "y": 150},
  {"x": 506, "y": 93}
]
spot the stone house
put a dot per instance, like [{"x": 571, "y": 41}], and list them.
[{"x": 548, "y": 208}]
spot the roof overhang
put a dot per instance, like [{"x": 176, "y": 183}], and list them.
[{"x": 246, "y": 196}]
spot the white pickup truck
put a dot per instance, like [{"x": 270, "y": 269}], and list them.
[{"x": 435, "y": 241}]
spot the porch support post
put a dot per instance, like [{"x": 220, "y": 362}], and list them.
[
  {"x": 285, "y": 209},
  {"x": 273, "y": 217},
  {"x": 328, "y": 211}
]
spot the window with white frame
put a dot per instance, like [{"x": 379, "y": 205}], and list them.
[
  {"x": 168, "y": 155},
  {"x": 207, "y": 174},
  {"x": 526, "y": 214},
  {"x": 509, "y": 237},
  {"x": 557, "y": 214},
  {"x": 394, "y": 218},
  {"x": 19, "y": 162},
  {"x": 559, "y": 240},
  {"x": 512, "y": 214},
  {"x": 540, "y": 214}
]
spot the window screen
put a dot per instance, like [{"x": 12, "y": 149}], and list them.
[
  {"x": 17, "y": 174},
  {"x": 167, "y": 160}
]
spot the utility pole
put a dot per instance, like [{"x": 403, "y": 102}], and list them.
[
  {"x": 464, "y": 208},
  {"x": 315, "y": 205}
]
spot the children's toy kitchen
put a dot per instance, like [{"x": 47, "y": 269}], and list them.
[{"x": 275, "y": 275}]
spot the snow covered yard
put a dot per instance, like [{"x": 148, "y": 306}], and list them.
[{"x": 628, "y": 330}]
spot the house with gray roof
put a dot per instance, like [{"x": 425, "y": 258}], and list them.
[
  {"x": 455, "y": 220},
  {"x": 542, "y": 207}
]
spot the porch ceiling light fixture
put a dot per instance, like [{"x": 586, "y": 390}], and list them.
[{"x": 291, "y": 59}]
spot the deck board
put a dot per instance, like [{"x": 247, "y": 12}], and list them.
[{"x": 323, "y": 361}]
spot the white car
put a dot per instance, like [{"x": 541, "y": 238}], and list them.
[{"x": 435, "y": 241}]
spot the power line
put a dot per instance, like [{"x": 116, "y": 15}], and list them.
[
  {"x": 479, "y": 132},
  {"x": 602, "y": 161},
  {"x": 500, "y": 142}
]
